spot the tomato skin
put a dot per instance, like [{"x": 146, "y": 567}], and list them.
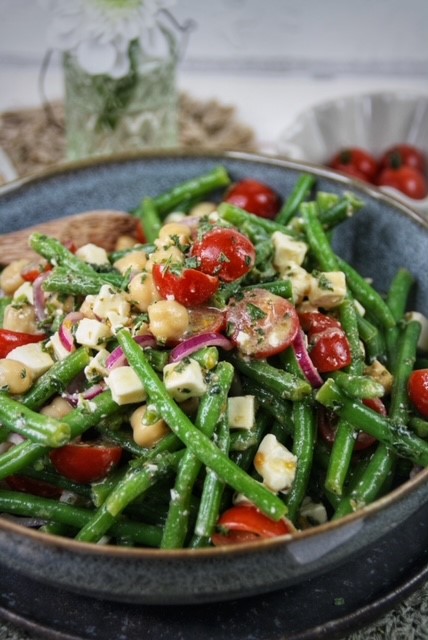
[
  {"x": 225, "y": 253},
  {"x": 205, "y": 319},
  {"x": 405, "y": 179},
  {"x": 140, "y": 236},
  {"x": 417, "y": 388},
  {"x": 267, "y": 322},
  {"x": 33, "y": 486},
  {"x": 11, "y": 339},
  {"x": 85, "y": 462},
  {"x": 403, "y": 155},
  {"x": 33, "y": 270},
  {"x": 255, "y": 197},
  {"x": 329, "y": 348},
  {"x": 355, "y": 162},
  {"x": 191, "y": 288},
  {"x": 244, "y": 523}
]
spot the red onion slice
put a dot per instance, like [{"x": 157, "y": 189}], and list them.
[
  {"x": 118, "y": 359},
  {"x": 210, "y": 339},
  {"x": 87, "y": 394},
  {"x": 65, "y": 333},
  {"x": 304, "y": 360}
]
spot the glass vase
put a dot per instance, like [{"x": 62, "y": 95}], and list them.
[{"x": 104, "y": 115}]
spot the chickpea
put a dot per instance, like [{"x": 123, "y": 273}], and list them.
[
  {"x": 58, "y": 408},
  {"x": 14, "y": 376},
  {"x": 135, "y": 261},
  {"x": 142, "y": 291},
  {"x": 145, "y": 432},
  {"x": 20, "y": 318},
  {"x": 202, "y": 209},
  {"x": 10, "y": 277},
  {"x": 168, "y": 320},
  {"x": 174, "y": 233},
  {"x": 125, "y": 242},
  {"x": 170, "y": 254}
]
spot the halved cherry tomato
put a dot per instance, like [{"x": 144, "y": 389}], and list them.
[
  {"x": 403, "y": 155},
  {"x": 190, "y": 287},
  {"x": 205, "y": 320},
  {"x": 225, "y": 253},
  {"x": 328, "y": 345},
  {"x": 255, "y": 197},
  {"x": 327, "y": 424},
  {"x": 261, "y": 323},
  {"x": 85, "y": 462},
  {"x": 139, "y": 233},
  {"x": 417, "y": 388},
  {"x": 33, "y": 486},
  {"x": 406, "y": 179},
  {"x": 244, "y": 523},
  {"x": 34, "y": 269},
  {"x": 355, "y": 162},
  {"x": 11, "y": 339}
]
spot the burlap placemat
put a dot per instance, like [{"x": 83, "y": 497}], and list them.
[{"x": 34, "y": 140}]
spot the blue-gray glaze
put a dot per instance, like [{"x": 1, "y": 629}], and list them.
[{"x": 381, "y": 238}]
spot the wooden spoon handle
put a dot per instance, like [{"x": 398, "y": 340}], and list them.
[{"x": 99, "y": 227}]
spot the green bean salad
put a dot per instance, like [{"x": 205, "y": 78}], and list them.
[{"x": 221, "y": 377}]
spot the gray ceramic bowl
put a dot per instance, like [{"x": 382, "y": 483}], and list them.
[{"x": 383, "y": 237}]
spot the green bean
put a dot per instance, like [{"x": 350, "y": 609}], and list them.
[
  {"x": 63, "y": 280},
  {"x": 405, "y": 359},
  {"x": 317, "y": 238},
  {"x": 150, "y": 220},
  {"x": 244, "y": 458},
  {"x": 197, "y": 442},
  {"x": 287, "y": 385},
  {"x": 396, "y": 300},
  {"x": 342, "y": 210},
  {"x": 419, "y": 426},
  {"x": 38, "y": 428},
  {"x": 279, "y": 409},
  {"x": 50, "y": 476},
  {"x": 370, "y": 299},
  {"x": 397, "y": 437},
  {"x": 239, "y": 217},
  {"x": 300, "y": 192},
  {"x": 191, "y": 189},
  {"x": 4, "y": 302},
  {"x": 147, "y": 248},
  {"x": 358, "y": 386},
  {"x": 340, "y": 457},
  {"x": 212, "y": 405},
  {"x": 208, "y": 357},
  {"x": 282, "y": 288},
  {"x": 28, "y": 505},
  {"x": 56, "y": 253},
  {"x": 372, "y": 338}
]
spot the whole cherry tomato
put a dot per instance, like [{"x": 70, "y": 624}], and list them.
[
  {"x": 85, "y": 462},
  {"x": 225, "y": 253},
  {"x": 328, "y": 345},
  {"x": 255, "y": 197},
  {"x": 417, "y": 388},
  {"x": 189, "y": 287},
  {"x": 11, "y": 339},
  {"x": 355, "y": 162},
  {"x": 405, "y": 179},
  {"x": 403, "y": 155},
  {"x": 261, "y": 323},
  {"x": 244, "y": 523}
]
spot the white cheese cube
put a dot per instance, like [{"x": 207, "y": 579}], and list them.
[
  {"x": 125, "y": 386},
  {"x": 328, "y": 289},
  {"x": 423, "y": 321},
  {"x": 287, "y": 249},
  {"x": 60, "y": 352},
  {"x": 275, "y": 463},
  {"x": 314, "y": 512},
  {"x": 92, "y": 254},
  {"x": 241, "y": 412},
  {"x": 184, "y": 380},
  {"x": 96, "y": 368},
  {"x": 33, "y": 356},
  {"x": 112, "y": 306},
  {"x": 300, "y": 280},
  {"x": 92, "y": 333},
  {"x": 25, "y": 292},
  {"x": 381, "y": 374}
]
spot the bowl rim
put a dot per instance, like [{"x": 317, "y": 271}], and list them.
[{"x": 135, "y": 553}]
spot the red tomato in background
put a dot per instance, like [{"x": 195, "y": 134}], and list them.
[
  {"x": 405, "y": 179},
  {"x": 255, "y": 197},
  {"x": 11, "y": 339},
  {"x": 244, "y": 523},
  {"x": 327, "y": 424},
  {"x": 261, "y": 324},
  {"x": 329, "y": 348},
  {"x": 403, "y": 154},
  {"x": 355, "y": 162},
  {"x": 417, "y": 389},
  {"x": 33, "y": 486},
  {"x": 225, "y": 253},
  {"x": 190, "y": 288},
  {"x": 85, "y": 462}
]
